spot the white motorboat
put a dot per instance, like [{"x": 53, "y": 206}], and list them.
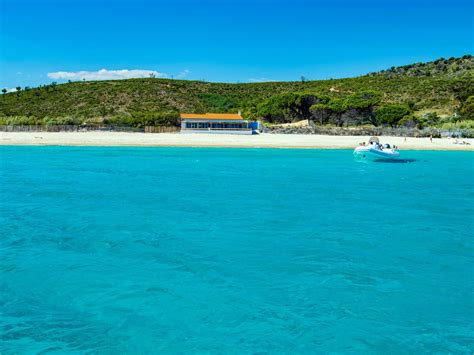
[
  {"x": 371, "y": 152},
  {"x": 374, "y": 150}
]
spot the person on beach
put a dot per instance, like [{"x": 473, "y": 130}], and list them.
[{"x": 431, "y": 138}]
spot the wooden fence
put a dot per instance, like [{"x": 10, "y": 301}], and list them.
[
  {"x": 161, "y": 129},
  {"x": 86, "y": 128},
  {"x": 352, "y": 131}
]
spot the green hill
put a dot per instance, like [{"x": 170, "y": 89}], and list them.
[
  {"x": 440, "y": 87},
  {"x": 452, "y": 67}
]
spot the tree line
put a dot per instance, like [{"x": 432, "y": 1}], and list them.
[
  {"x": 135, "y": 119},
  {"x": 359, "y": 108}
]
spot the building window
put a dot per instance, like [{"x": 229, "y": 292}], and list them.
[
  {"x": 191, "y": 125},
  {"x": 215, "y": 125}
]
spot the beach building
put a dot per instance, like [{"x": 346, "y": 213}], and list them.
[{"x": 215, "y": 123}]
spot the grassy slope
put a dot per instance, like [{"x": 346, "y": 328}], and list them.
[{"x": 439, "y": 93}]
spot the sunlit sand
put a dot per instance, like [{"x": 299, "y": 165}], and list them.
[{"x": 217, "y": 140}]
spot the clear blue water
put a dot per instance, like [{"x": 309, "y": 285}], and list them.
[{"x": 177, "y": 250}]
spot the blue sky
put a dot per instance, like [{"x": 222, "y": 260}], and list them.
[{"x": 224, "y": 41}]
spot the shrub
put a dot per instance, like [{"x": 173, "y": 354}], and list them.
[
  {"x": 363, "y": 99},
  {"x": 467, "y": 109},
  {"x": 142, "y": 119},
  {"x": 66, "y": 120},
  {"x": 392, "y": 114},
  {"x": 21, "y": 120},
  {"x": 452, "y": 126},
  {"x": 429, "y": 120},
  {"x": 409, "y": 121},
  {"x": 288, "y": 107}
]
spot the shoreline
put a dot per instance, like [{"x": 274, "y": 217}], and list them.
[{"x": 295, "y": 141}]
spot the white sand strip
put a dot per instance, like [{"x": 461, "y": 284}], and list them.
[{"x": 220, "y": 140}]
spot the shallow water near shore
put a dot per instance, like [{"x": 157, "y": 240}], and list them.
[{"x": 181, "y": 250}]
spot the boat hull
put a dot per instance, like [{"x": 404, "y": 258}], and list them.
[{"x": 370, "y": 153}]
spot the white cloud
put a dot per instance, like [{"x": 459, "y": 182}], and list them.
[
  {"x": 183, "y": 74},
  {"x": 260, "y": 80},
  {"x": 8, "y": 90},
  {"x": 19, "y": 73},
  {"x": 104, "y": 74}
]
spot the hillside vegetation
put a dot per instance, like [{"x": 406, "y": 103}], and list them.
[
  {"x": 423, "y": 92},
  {"x": 451, "y": 67}
]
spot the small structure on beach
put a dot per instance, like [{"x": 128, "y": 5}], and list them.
[{"x": 215, "y": 123}]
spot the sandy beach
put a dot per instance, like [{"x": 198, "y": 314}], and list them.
[{"x": 215, "y": 140}]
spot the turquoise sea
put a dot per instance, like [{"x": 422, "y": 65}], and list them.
[{"x": 193, "y": 250}]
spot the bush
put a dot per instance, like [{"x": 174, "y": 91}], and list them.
[
  {"x": 392, "y": 114},
  {"x": 467, "y": 109},
  {"x": 363, "y": 99},
  {"x": 219, "y": 102},
  {"x": 20, "y": 120},
  {"x": 428, "y": 120},
  {"x": 287, "y": 107},
  {"x": 453, "y": 126},
  {"x": 66, "y": 120},
  {"x": 119, "y": 120},
  {"x": 409, "y": 121},
  {"x": 142, "y": 119}
]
